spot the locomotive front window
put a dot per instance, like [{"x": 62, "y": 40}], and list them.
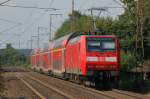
[
  {"x": 93, "y": 45},
  {"x": 108, "y": 45},
  {"x": 101, "y": 44}
]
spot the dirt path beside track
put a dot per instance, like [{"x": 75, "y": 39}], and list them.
[{"x": 15, "y": 88}]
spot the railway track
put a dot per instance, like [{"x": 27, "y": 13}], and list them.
[
  {"x": 75, "y": 92},
  {"x": 42, "y": 89},
  {"x": 131, "y": 94},
  {"x": 96, "y": 94},
  {"x": 32, "y": 89}
]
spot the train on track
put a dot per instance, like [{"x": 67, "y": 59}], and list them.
[{"x": 80, "y": 57}]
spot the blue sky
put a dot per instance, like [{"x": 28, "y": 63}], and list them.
[{"x": 22, "y": 23}]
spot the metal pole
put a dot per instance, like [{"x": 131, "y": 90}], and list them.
[
  {"x": 38, "y": 38},
  {"x": 50, "y": 30},
  {"x": 137, "y": 25},
  {"x": 19, "y": 40},
  {"x": 27, "y": 43},
  {"x": 32, "y": 40},
  {"x": 19, "y": 43},
  {"x": 31, "y": 43},
  {"x": 93, "y": 21},
  {"x": 141, "y": 30},
  {"x": 141, "y": 26},
  {"x": 72, "y": 17},
  {"x": 51, "y": 18},
  {"x": 137, "y": 32},
  {"x": 94, "y": 17}
]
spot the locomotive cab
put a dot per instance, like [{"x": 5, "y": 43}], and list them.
[
  {"x": 101, "y": 53},
  {"x": 102, "y": 56}
]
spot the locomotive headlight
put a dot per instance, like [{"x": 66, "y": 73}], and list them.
[
  {"x": 92, "y": 59},
  {"x": 110, "y": 59}
]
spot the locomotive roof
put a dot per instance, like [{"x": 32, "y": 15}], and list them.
[
  {"x": 62, "y": 41},
  {"x": 101, "y": 35}
]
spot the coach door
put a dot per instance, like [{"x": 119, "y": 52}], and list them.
[
  {"x": 72, "y": 56},
  {"x": 49, "y": 61},
  {"x": 63, "y": 60}
]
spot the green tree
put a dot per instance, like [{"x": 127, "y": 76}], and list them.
[
  {"x": 10, "y": 57},
  {"x": 124, "y": 27},
  {"x": 84, "y": 23},
  {"x": 81, "y": 23}
]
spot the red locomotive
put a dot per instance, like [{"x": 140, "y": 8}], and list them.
[{"x": 80, "y": 57}]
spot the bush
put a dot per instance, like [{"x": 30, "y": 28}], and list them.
[
  {"x": 128, "y": 61},
  {"x": 1, "y": 84}
]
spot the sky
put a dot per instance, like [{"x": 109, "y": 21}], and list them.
[{"x": 21, "y": 25}]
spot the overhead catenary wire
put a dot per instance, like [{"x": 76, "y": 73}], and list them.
[
  {"x": 123, "y": 6},
  {"x": 4, "y": 2},
  {"x": 33, "y": 22},
  {"x": 29, "y": 7},
  {"x": 51, "y": 18},
  {"x": 10, "y": 28},
  {"x": 38, "y": 18},
  {"x": 107, "y": 7},
  {"x": 83, "y": 4},
  {"x": 94, "y": 18},
  {"x": 46, "y": 9},
  {"x": 120, "y": 4},
  {"x": 9, "y": 21},
  {"x": 1, "y": 4},
  {"x": 51, "y": 2}
]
